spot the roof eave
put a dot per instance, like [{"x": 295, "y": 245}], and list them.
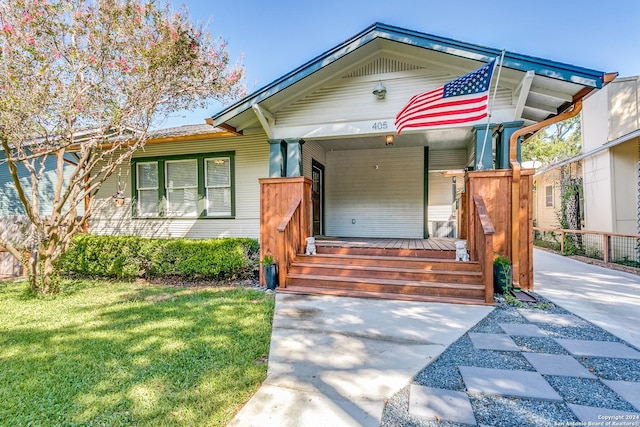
[{"x": 586, "y": 77}]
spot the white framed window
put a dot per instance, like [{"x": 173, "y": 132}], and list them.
[
  {"x": 548, "y": 196},
  {"x": 147, "y": 188},
  {"x": 218, "y": 186},
  {"x": 187, "y": 186},
  {"x": 181, "y": 185}
]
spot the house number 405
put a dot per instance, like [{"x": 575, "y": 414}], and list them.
[{"x": 380, "y": 125}]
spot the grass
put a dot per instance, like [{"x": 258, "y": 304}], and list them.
[{"x": 122, "y": 353}]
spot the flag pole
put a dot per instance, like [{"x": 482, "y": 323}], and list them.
[{"x": 495, "y": 91}]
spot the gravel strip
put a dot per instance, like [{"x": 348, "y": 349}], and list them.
[{"x": 507, "y": 411}]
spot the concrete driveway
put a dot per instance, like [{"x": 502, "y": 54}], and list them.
[
  {"x": 334, "y": 361},
  {"x": 608, "y": 298}
]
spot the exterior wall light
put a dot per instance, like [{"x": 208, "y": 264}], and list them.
[
  {"x": 380, "y": 91},
  {"x": 388, "y": 140}
]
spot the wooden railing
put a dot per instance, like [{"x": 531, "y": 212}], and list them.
[
  {"x": 291, "y": 240},
  {"x": 608, "y": 247},
  {"x": 484, "y": 231}
]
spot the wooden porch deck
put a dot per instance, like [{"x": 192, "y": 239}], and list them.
[{"x": 433, "y": 243}]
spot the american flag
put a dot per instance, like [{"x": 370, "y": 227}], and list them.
[{"x": 461, "y": 101}]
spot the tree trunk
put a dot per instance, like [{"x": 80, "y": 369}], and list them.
[
  {"x": 32, "y": 270},
  {"x": 42, "y": 272}
]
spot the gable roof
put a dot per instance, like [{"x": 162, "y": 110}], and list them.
[{"x": 585, "y": 78}]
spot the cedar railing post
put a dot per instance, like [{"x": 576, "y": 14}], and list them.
[
  {"x": 484, "y": 231},
  {"x": 285, "y": 220},
  {"x": 289, "y": 241}
]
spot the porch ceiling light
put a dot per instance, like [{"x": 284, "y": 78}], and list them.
[
  {"x": 380, "y": 91},
  {"x": 388, "y": 140}
]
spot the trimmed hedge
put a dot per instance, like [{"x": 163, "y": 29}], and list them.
[{"x": 130, "y": 257}]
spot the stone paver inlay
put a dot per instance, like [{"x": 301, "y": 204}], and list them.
[
  {"x": 538, "y": 383},
  {"x": 522, "y": 329},
  {"x": 505, "y": 382},
  {"x": 438, "y": 404},
  {"x": 599, "y": 349},
  {"x": 556, "y": 364},
  {"x": 500, "y": 342},
  {"x": 630, "y": 391}
]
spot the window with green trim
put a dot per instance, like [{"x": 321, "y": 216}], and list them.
[{"x": 188, "y": 186}]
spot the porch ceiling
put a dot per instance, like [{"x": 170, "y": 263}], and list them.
[{"x": 441, "y": 139}]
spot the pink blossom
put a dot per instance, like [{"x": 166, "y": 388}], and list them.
[
  {"x": 7, "y": 28},
  {"x": 27, "y": 17},
  {"x": 93, "y": 59},
  {"x": 110, "y": 64},
  {"x": 32, "y": 41}
]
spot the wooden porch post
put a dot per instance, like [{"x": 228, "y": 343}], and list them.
[
  {"x": 495, "y": 188},
  {"x": 276, "y": 197}
]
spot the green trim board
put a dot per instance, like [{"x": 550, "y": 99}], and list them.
[
  {"x": 425, "y": 225},
  {"x": 201, "y": 204},
  {"x": 320, "y": 167}
]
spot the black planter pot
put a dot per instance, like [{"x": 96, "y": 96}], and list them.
[
  {"x": 502, "y": 278},
  {"x": 270, "y": 273}
]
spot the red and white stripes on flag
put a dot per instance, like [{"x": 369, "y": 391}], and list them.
[{"x": 461, "y": 101}]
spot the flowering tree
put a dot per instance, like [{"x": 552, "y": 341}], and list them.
[{"x": 82, "y": 81}]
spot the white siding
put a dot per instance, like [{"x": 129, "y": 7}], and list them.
[
  {"x": 440, "y": 210},
  {"x": 251, "y": 163},
  {"x": 311, "y": 150},
  {"x": 351, "y": 99},
  {"x": 440, "y": 160},
  {"x": 598, "y": 200},
  {"x": 386, "y": 201}
]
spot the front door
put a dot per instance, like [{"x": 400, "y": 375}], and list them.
[{"x": 317, "y": 197}]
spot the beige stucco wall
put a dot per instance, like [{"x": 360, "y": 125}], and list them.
[
  {"x": 624, "y": 159},
  {"x": 597, "y": 192},
  {"x": 595, "y": 120},
  {"x": 612, "y": 116},
  {"x": 546, "y": 216}
]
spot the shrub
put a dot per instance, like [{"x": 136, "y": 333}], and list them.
[{"x": 130, "y": 257}]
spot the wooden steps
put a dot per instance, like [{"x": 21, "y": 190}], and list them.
[{"x": 383, "y": 273}]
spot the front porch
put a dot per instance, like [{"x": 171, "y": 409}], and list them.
[
  {"x": 399, "y": 268},
  {"x": 443, "y": 244}
]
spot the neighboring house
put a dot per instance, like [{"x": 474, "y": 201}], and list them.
[
  {"x": 12, "y": 214},
  {"x": 609, "y": 167},
  {"x": 547, "y": 192},
  {"x": 318, "y": 148},
  {"x": 611, "y": 163}
]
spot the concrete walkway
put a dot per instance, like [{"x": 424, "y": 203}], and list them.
[
  {"x": 605, "y": 297},
  {"x": 334, "y": 361}
]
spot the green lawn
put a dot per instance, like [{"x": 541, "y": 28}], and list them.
[{"x": 114, "y": 353}]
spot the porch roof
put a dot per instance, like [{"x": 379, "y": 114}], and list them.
[{"x": 562, "y": 84}]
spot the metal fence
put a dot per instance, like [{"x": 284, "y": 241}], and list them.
[{"x": 615, "y": 248}]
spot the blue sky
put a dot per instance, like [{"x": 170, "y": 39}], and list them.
[{"x": 277, "y": 36}]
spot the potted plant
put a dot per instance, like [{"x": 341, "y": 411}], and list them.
[
  {"x": 502, "y": 274},
  {"x": 270, "y": 271}
]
